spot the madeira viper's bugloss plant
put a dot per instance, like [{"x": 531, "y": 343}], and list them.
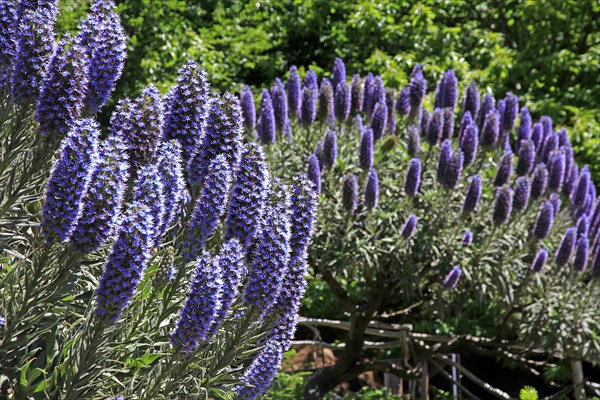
[
  {"x": 462, "y": 219},
  {"x": 156, "y": 258}
]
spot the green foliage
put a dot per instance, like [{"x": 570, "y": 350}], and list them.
[{"x": 528, "y": 393}]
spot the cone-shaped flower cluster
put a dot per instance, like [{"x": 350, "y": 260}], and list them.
[
  {"x": 303, "y": 205},
  {"x": 187, "y": 109},
  {"x": 70, "y": 180},
  {"x": 261, "y": 372},
  {"x": 248, "y": 197},
  {"x": 105, "y": 43},
  {"x": 272, "y": 251},
  {"x": 35, "y": 46},
  {"x": 126, "y": 263},
  {"x": 143, "y": 127},
  {"x": 63, "y": 91},
  {"x": 103, "y": 200},
  {"x": 209, "y": 207},
  {"x": 223, "y": 136},
  {"x": 201, "y": 305}
]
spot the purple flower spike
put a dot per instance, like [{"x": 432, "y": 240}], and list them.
[
  {"x": 549, "y": 147},
  {"x": 471, "y": 103},
  {"x": 105, "y": 42},
  {"x": 413, "y": 177},
  {"x": 272, "y": 252},
  {"x": 444, "y": 160},
  {"x": 311, "y": 81},
  {"x": 467, "y": 239},
  {"x": 403, "y": 103},
  {"x": 583, "y": 226},
  {"x": 314, "y": 172},
  {"x": 453, "y": 170},
  {"x": 544, "y": 221},
  {"x": 366, "y": 149},
  {"x": 103, "y": 200},
  {"x": 339, "y": 72},
  {"x": 563, "y": 138},
  {"x": 8, "y": 37},
  {"x": 379, "y": 120},
  {"x": 266, "y": 120},
  {"x": 448, "y": 130},
  {"x": 329, "y": 149},
  {"x": 350, "y": 193},
  {"x": 70, "y": 180},
  {"x": 465, "y": 121},
  {"x": 294, "y": 93},
  {"x": 504, "y": 170},
  {"x": 62, "y": 96},
  {"x": 209, "y": 207},
  {"x": 188, "y": 107},
  {"x": 325, "y": 110},
  {"x": 201, "y": 306},
  {"x": 511, "y": 110},
  {"x": 224, "y": 133},
  {"x": 418, "y": 87},
  {"x": 539, "y": 182},
  {"x": 526, "y": 160},
  {"x": 435, "y": 129},
  {"x": 491, "y": 130},
  {"x": 469, "y": 144},
  {"x": 524, "y": 132},
  {"x": 409, "y": 226},
  {"x": 357, "y": 95},
  {"x": 148, "y": 188},
  {"x": 567, "y": 247},
  {"x": 522, "y": 193},
  {"x": 581, "y": 254},
  {"x": 378, "y": 94},
  {"x": 372, "y": 189},
  {"x": 248, "y": 108},
  {"x": 537, "y": 135},
  {"x": 304, "y": 202},
  {"x": 447, "y": 90},
  {"x": 582, "y": 189},
  {"x": 503, "y": 205},
  {"x": 248, "y": 197},
  {"x": 488, "y": 104},
  {"x": 170, "y": 168},
  {"x": 501, "y": 107},
  {"x": 233, "y": 270},
  {"x": 35, "y": 46},
  {"x": 280, "y": 107},
  {"x": 424, "y": 123},
  {"x": 413, "y": 145},
  {"x": 126, "y": 263},
  {"x": 261, "y": 372},
  {"x": 539, "y": 261},
  {"x": 144, "y": 126},
  {"x": 452, "y": 278},
  {"x": 308, "y": 113},
  {"x": 342, "y": 101},
  {"x": 369, "y": 94},
  {"x": 556, "y": 171},
  {"x": 546, "y": 122},
  {"x": 473, "y": 195}
]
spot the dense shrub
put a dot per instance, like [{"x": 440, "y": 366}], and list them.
[{"x": 443, "y": 212}]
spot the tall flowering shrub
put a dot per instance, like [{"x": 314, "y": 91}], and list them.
[
  {"x": 465, "y": 204},
  {"x": 160, "y": 246}
]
